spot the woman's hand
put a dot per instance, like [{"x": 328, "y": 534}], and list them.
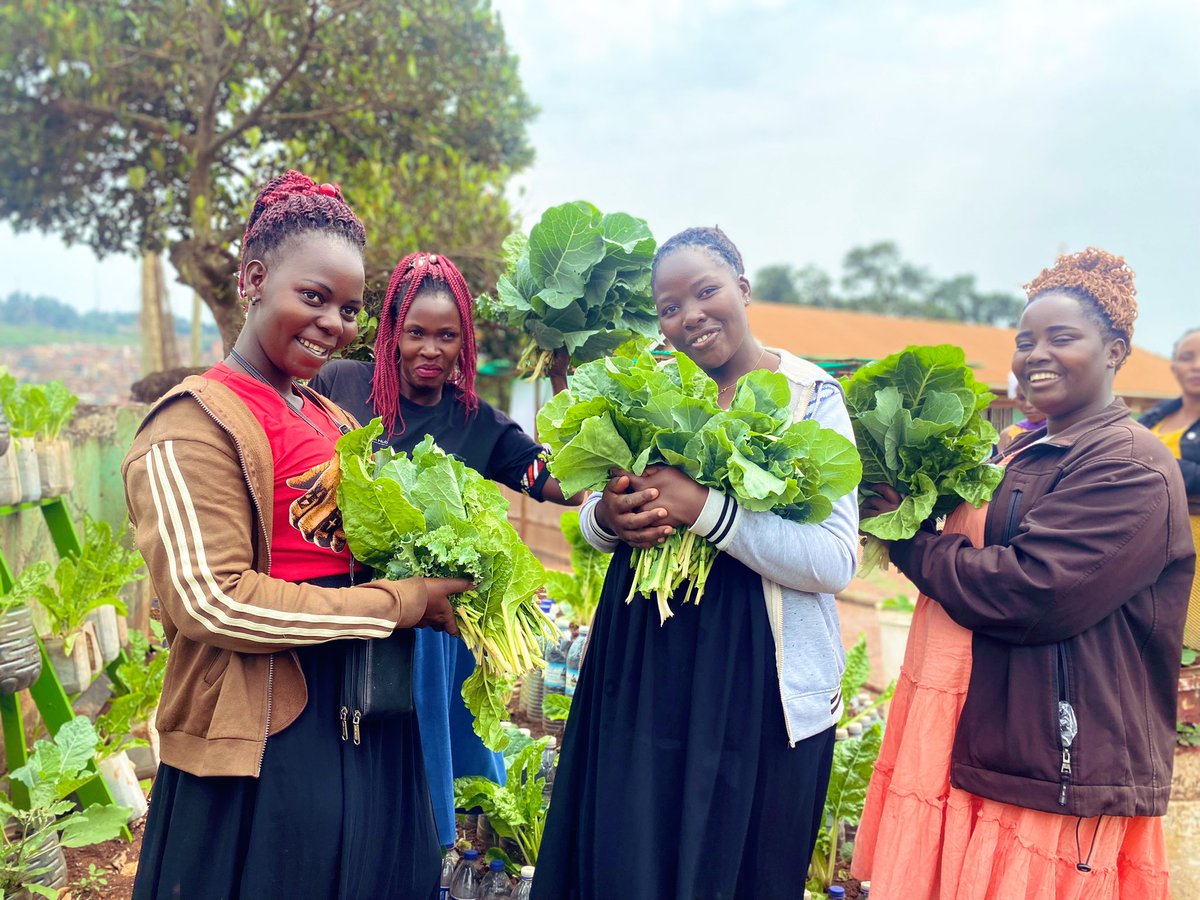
[
  {"x": 621, "y": 512},
  {"x": 884, "y": 499},
  {"x": 679, "y": 495},
  {"x": 439, "y": 614}
]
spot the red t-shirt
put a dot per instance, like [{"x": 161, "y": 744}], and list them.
[{"x": 307, "y": 540}]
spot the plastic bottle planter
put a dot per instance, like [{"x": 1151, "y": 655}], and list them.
[
  {"x": 108, "y": 634},
  {"x": 54, "y": 467},
  {"x": 50, "y": 857},
  {"x": 20, "y": 660},
  {"x": 119, "y": 774},
  {"x": 27, "y": 465},
  {"x": 10, "y": 477},
  {"x": 893, "y": 639},
  {"x": 5, "y": 434},
  {"x": 75, "y": 671}
]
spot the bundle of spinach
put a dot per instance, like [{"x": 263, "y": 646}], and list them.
[
  {"x": 580, "y": 281},
  {"x": 918, "y": 421},
  {"x": 578, "y": 591},
  {"x": 516, "y": 809},
  {"x": 431, "y": 516},
  {"x": 630, "y": 412}
]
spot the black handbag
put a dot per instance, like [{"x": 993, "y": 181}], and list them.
[
  {"x": 377, "y": 676},
  {"x": 377, "y": 681}
]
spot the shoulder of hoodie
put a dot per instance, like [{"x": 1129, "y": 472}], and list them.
[{"x": 202, "y": 411}]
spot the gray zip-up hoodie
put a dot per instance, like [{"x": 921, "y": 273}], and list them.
[{"x": 802, "y": 566}]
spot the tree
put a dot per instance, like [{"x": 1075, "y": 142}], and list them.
[
  {"x": 774, "y": 284},
  {"x": 876, "y": 279},
  {"x": 131, "y": 125}
]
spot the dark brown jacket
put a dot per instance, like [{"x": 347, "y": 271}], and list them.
[
  {"x": 1078, "y": 594},
  {"x": 199, "y": 482}
]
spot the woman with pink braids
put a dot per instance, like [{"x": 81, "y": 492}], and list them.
[{"x": 423, "y": 383}]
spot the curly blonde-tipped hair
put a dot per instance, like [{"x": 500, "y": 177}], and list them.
[{"x": 1098, "y": 276}]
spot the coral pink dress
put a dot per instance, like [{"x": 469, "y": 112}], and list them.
[{"x": 921, "y": 839}]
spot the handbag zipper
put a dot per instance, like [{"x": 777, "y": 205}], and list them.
[{"x": 1063, "y": 680}]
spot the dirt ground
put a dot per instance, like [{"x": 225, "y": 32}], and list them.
[{"x": 114, "y": 861}]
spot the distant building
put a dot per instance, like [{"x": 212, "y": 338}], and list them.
[{"x": 829, "y": 336}]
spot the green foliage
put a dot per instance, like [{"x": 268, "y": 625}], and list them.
[
  {"x": 556, "y": 707},
  {"x": 578, "y": 593},
  {"x": 899, "y": 603},
  {"x": 919, "y": 426},
  {"x": 580, "y": 281},
  {"x": 853, "y": 762},
  {"x": 628, "y": 413},
  {"x": 1189, "y": 656},
  {"x": 429, "y": 515},
  {"x": 89, "y": 581},
  {"x": 140, "y": 677},
  {"x": 516, "y": 810},
  {"x": 124, "y": 124},
  {"x": 60, "y": 408},
  {"x": 877, "y": 279},
  {"x": 25, "y": 588},
  {"x": 93, "y": 882},
  {"x": 858, "y": 669},
  {"x": 55, "y": 769},
  {"x": 1187, "y": 734}
]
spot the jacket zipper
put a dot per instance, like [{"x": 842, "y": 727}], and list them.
[
  {"x": 1011, "y": 522},
  {"x": 270, "y": 688},
  {"x": 1063, "y": 679},
  {"x": 262, "y": 525}
]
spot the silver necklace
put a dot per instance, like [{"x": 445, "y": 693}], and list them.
[
  {"x": 258, "y": 376},
  {"x": 727, "y": 387}
]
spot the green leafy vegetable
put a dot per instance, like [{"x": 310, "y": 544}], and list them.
[
  {"x": 429, "y": 515},
  {"x": 578, "y": 592},
  {"x": 24, "y": 406},
  {"x": 60, "y": 407},
  {"x": 580, "y": 281},
  {"x": 628, "y": 412},
  {"x": 25, "y": 588},
  {"x": 517, "y": 809},
  {"x": 853, "y": 762},
  {"x": 91, "y": 580},
  {"x": 918, "y": 421},
  {"x": 140, "y": 682}
]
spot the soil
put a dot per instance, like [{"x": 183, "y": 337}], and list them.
[{"x": 115, "y": 862}]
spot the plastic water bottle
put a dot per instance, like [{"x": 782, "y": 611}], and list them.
[
  {"x": 555, "y": 678},
  {"x": 449, "y": 864},
  {"x": 864, "y": 890},
  {"x": 549, "y": 766},
  {"x": 465, "y": 885},
  {"x": 495, "y": 884},
  {"x": 525, "y": 886},
  {"x": 837, "y": 893},
  {"x": 575, "y": 659}
]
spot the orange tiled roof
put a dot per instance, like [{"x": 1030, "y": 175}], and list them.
[{"x": 836, "y": 334}]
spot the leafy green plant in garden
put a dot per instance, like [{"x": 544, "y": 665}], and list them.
[
  {"x": 580, "y": 281},
  {"x": 919, "y": 426},
  {"x": 516, "y": 809},
  {"x": 55, "y": 769},
  {"x": 578, "y": 591},
  {"x": 89, "y": 581},
  {"x": 60, "y": 407},
  {"x": 628, "y": 412},
  {"x": 25, "y": 587},
  {"x": 853, "y": 763},
  {"x": 24, "y": 406},
  {"x": 92, "y": 883},
  {"x": 140, "y": 677},
  {"x": 899, "y": 603},
  {"x": 429, "y": 515}
]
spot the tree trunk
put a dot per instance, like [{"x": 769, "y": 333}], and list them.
[
  {"x": 216, "y": 284},
  {"x": 159, "y": 350}
]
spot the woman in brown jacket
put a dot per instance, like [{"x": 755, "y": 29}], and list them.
[
  {"x": 231, "y": 484},
  {"x": 1074, "y": 598}
]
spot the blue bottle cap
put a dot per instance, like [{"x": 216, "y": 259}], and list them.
[
  {"x": 837, "y": 893},
  {"x": 497, "y": 865},
  {"x": 471, "y": 854},
  {"x": 545, "y": 604}
]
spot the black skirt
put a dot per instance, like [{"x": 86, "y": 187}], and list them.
[
  {"x": 676, "y": 779},
  {"x": 325, "y": 818}
]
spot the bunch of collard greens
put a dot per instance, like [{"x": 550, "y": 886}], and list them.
[
  {"x": 580, "y": 281},
  {"x": 628, "y": 412},
  {"x": 578, "y": 591},
  {"x": 431, "y": 516},
  {"x": 918, "y": 423}
]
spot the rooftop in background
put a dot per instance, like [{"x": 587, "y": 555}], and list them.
[{"x": 829, "y": 334}]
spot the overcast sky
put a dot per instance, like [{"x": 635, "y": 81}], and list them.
[{"x": 982, "y": 137}]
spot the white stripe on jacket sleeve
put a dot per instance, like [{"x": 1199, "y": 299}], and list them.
[{"x": 207, "y": 603}]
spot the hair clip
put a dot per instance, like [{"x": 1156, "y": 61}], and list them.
[{"x": 329, "y": 190}]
